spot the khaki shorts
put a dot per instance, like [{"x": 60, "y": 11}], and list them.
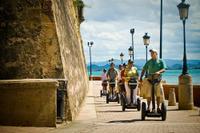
[{"x": 146, "y": 89}]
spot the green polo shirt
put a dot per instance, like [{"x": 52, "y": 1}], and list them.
[{"x": 153, "y": 66}]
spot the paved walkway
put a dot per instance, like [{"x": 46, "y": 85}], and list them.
[{"x": 98, "y": 117}]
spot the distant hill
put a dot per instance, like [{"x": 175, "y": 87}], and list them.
[{"x": 171, "y": 64}]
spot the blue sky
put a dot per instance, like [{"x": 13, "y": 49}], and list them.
[{"x": 108, "y": 24}]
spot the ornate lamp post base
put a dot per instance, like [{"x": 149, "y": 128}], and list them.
[{"x": 185, "y": 92}]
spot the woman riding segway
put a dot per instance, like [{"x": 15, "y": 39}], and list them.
[
  {"x": 131, "y": 77},
  {"x": 103, "y": 92}
]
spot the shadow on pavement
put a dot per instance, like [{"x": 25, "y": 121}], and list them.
[
  {"x": 124, "y": 121},
  {"x": 194, "y": 115},
  {"x": 96, "y": 103},
  {"x": 115, "y": 111},
  {"x": 173, "y": 110},
  {"x": 107, "y": 105},
  {"x": 131, "y": 121}
]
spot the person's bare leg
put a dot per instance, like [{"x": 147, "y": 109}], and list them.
[
  {"x": 158, "y": 104},
  {"x": 104, "y": 89},
  {"x": 148, "y": 103}
]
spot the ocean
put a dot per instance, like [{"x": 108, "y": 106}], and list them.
[{"x": 171, "y": 76}]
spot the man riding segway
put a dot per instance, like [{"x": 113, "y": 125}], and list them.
[
  {"x": 153, "y": 86},
  {"x": 112, "y": 95}
]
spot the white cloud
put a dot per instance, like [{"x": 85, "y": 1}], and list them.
[{"x": 108, "y": 23}]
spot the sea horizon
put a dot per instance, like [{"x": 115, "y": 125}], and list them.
[{"x": 170, "y": 76}]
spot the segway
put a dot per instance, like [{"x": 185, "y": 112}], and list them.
[
  {"x": 103, "y": 92},
  {"x": 125, "y": 105},
  {"x": 111, "y": 96},
  {"x": 153, "y": 79}
]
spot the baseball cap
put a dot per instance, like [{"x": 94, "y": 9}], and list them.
[{"x": 153, "y": 50}]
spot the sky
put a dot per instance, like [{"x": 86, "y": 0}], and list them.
[{"x": 108, "y": 23}]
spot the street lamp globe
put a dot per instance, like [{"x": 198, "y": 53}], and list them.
[
  {"x": 132, "y": 31},
  {"x": 130, "y": 51},
  {"x": 121, "y": 56},
  {"x": 90, "y": 44},
  {"x": 183, "y": 10},
  {"x": 112, "y": 59},
  {"x": 146, "y": 39}
]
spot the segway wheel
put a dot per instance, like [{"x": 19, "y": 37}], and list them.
[
  {"x": 143, "y": 112},
  {"x": 100, "y": 93},
  {"x": 118, "y": 98},
  {"x": 121, "y": 98},
  {"x": 138, "y": 104},
  {"x": 120, "y": 101},
  {"x": 164, "y": 111},
  {"x": 123, "y": 103},
  {"x": 107, "y": 98}
]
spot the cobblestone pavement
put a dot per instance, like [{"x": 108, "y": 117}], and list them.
[
  {"x": 99, "y": 117},
  {"x": 112, "y": 119}
]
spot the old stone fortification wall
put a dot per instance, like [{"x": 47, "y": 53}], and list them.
[
  {"x": 28, "y": 102},
  {"x": 29, "y": 43},
  {"x": 41, "y": 39},
  {"x": 68, "y": 33}
]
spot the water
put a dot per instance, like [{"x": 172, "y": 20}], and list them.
[{"x": 171, "y": 76}]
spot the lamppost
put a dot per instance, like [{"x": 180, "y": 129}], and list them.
[
  {"x": 146, "y": 40},
  {"x": 121, "y": 57},
  {"x": 185, "y": 88},
  {"x": 130, "y": 52},
  {"x": 132, "y": 32},
  {"x": 183, "y": 12},
  {"x": 161, "y": 19},
  {"x": 90, "y": 46}
]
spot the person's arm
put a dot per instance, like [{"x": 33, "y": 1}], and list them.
[
  {"x": 102, "y": 77},
  {"x": 142, "y": 74},
  {"x": 107, "y": 75},
  {"x": 137, "y": 75},
  {"x": 163, "y": 66},
  {"x": 145, "y": 68},
  {"x": 116, "y": 76},
  {"x": 160, "y": 71}
]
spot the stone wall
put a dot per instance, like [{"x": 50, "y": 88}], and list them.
[
  {"x": 29, "y": 43},
  {"x": 73, "y": 60},
  {"x": 41, "y": 39},
  {"x": 196, "y": 92},
  {"x": 28, "y": 102}
]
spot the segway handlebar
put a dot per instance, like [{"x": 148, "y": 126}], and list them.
[
  {"x": 112, "y": 83},
  {"x": 154, "y": 77},
  {"x": 132, "y": 83}
]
